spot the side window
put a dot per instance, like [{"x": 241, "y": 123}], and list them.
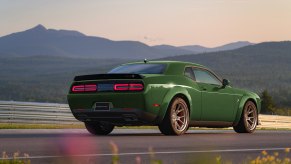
[
  {"x": 204, "y": 76},
  {"x": 189, "y": 73}
]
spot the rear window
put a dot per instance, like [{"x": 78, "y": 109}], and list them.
[{"x": 140, "y": 69}]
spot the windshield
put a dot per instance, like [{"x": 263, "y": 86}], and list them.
[{"x": 140, "y": 69}]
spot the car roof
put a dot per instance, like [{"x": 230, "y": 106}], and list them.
[
  {"x": 173, "y": 68},
  {"x": 168, "y": 62}
]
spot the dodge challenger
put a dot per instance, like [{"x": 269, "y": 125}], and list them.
[{"x": 169, "y": 94}]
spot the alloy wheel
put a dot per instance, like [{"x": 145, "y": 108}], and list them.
[
  {"x": 179, "y": 115},
  {"x": 251, "y": 117}
]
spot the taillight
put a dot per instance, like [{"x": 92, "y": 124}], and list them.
[
  {"x": 128, "y": 87},
  {"x": 135, "y": 87},
  {"x": 84, "y": 88},
  {"x": 121, "y": 87}
]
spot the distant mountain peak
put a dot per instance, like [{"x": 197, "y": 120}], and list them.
[
  {"x": 226, "y": 47},
  {"x": 39, "y": 27},
  {"x": 243, "y": 41}
]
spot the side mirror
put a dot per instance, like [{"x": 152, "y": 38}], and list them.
[{"x": 225, "y": 82}]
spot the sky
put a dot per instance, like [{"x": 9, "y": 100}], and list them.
[{"x": 175, "y": 22}]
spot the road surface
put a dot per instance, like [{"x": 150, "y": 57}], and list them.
[{"x": 197, "y": 146}]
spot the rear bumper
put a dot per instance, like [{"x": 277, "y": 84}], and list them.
[
  {"x": 119, "y": 117},
  {"x": 126, "y": 108}
]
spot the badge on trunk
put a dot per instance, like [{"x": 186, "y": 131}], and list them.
[{"x": 101, "y": 106}]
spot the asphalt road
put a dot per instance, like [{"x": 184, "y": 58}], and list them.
[{"x": 197, "y": 146}]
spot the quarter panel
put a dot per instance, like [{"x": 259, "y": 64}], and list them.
[{"x": 186, "y": 87}]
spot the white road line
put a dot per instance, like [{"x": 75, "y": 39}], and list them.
[{"x": 159, "y": 152}]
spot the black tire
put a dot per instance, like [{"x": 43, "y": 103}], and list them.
[
  {"x": 249, "y": 119},
  {"x": 97, "y": 128},
  {"x": 176, "y": 120}
]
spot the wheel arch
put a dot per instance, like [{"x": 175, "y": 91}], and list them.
[
  {"x": 173, "y": 93},
  {"x": 185, "y": 98},
  {"x": 242, "y": 103}
]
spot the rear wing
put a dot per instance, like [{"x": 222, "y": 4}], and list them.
[{"x": 108, "y": 76}]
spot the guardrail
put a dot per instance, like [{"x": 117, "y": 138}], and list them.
[
  {"x": 35, "y": 113},
  {"x": 50, "y": 113}
]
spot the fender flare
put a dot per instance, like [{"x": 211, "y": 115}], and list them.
[
  {"x": 241, "y": 105},
  {"x": 169, "y": 97}
]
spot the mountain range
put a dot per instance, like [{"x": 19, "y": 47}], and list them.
[{"x": 66, "y": 43}]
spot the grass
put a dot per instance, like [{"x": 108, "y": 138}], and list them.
[{"x": 16, "y": 158}]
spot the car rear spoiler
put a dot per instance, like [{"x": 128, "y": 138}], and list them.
[{"x": 108, "y": 76}]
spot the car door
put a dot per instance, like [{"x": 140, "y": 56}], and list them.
[{"x": 217, "y": 101}]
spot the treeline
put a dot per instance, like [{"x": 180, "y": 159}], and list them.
[{"x": 269, "y": 106}]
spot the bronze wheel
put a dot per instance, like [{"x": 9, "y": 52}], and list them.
[
  {"x": 176, "y": 121},
  {"x": 249, "y": 119}
]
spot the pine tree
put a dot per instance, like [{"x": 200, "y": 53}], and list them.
[{"x": 268, "y": 105}]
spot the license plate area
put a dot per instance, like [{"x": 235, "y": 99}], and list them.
[{"x": 101, "y": 106}]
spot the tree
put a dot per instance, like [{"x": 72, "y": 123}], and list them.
[{"x": 268, "y": 105}]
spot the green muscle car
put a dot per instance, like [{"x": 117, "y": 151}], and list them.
[{"x": 169, "y": 94}]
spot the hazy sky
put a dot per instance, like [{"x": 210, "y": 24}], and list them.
[{"x": 175, "y": 22}]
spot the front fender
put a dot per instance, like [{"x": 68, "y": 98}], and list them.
[{"x": 171, "y": 93}]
